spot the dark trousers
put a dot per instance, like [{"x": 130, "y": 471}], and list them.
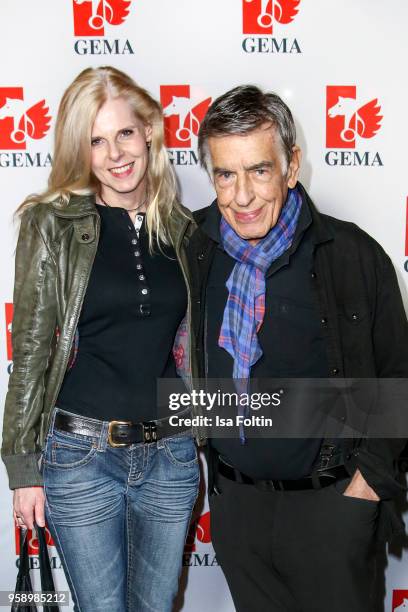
[{"x": 294, "y": 551}]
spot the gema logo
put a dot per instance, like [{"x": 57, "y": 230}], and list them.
[
  {"x": 349, "y": 122},
  {"x": 92, "y": 18},
  {"x": 183, "y": 114},
  {"x": 400, "y": 601},
  {"x": 259, "y": 17},
  {"x": 33, "y": 548},
  {"x": 32, "y": 540},
  {"x": 21, "y": 123},
  {"x": 199, "y": 533}
]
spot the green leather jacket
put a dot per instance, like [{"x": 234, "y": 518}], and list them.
[{"x": 55, "y": 252}]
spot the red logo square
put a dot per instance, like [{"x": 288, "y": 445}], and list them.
[{"x": 258, "y": 16}]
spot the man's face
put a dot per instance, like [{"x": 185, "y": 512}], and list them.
[{"x": 250, "y": 179}]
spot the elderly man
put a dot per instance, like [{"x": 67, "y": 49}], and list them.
[{"x": 290, "y": 292}]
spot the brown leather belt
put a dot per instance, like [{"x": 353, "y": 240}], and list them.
[
  {"x": 120, "y": 433},
  {"x": 323, "y": 479}
]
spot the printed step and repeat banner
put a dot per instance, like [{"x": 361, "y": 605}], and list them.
[{"x": 339, "y": 65}]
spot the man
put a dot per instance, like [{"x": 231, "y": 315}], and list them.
[{"x": 290, "y": 292}]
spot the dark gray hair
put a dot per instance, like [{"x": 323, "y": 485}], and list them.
[{"x": 241, "y": 110}]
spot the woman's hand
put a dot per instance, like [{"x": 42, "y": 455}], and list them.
[{"x": 28, "y": 506}]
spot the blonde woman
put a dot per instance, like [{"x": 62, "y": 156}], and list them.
[{"x": 101, "y": 287}]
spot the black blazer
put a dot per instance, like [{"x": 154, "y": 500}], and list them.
[{"x": 366, "y": 327}]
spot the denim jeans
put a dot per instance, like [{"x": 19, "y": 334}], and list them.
[{"x": 119, "y": 517}]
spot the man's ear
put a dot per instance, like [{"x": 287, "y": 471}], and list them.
[{"x": 294, "y": 167}]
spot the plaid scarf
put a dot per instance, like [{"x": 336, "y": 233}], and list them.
[{"x": 245, "y": 308}]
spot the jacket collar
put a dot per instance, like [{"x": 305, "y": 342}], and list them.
[
  {"x": 82, "y": 206},
  {"x": 211, "y": 223},
  {"x": 209, "y": 220},
  {"x": 181, "y": 227},
  {"x": 322, "y": 232}
]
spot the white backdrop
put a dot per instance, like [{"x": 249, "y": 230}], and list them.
[{"x": 345, "y": 57}]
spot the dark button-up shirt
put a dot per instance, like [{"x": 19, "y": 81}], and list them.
[{"x": 292, "y": 343}]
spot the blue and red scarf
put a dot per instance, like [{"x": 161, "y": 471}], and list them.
[{"x": 245, "y": 308}]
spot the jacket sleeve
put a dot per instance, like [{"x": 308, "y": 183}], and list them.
[
  {"x": 377, "y": 457},
  {"x": 33, "y": 329}
]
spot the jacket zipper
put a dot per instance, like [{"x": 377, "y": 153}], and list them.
[{"x": 74, "y": 326}]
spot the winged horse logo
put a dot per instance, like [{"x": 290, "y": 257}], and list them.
[
  {"x": 32, "y": 540},
  {"x": 363, "y": 121},
  {"x": 282, "y": 11},
  {"x": 190, "y": 117},
  {"x": 113, "y": 12},
  {"x": 33, "y": 122}
]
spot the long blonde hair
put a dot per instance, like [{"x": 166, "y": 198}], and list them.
[{"x": 71, "y": 171}]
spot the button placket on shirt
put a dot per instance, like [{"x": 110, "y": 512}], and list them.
[{"x": 141, "y": 277}]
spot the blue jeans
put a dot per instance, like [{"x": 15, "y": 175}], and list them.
[{"x": 119, "y": 517}]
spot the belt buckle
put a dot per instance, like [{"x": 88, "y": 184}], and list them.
[
  {"x": 111, "y": 442},
  {"x": 149, "y": 432}
]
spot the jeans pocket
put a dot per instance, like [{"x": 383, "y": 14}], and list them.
[
  {"x": 66, "y": 450},
  {"x": 181, "y": 451}
]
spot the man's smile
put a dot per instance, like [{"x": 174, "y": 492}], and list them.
[{"x": 248, "y": 217}]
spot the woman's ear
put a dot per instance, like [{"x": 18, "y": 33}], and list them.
[{"x": 148, "y": 132}]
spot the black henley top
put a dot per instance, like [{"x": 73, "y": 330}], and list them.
[{"x": 133, "y": 306}]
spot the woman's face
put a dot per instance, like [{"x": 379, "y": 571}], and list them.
[{"x": 119, "y": 153}]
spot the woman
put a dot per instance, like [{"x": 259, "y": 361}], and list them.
[{"x": 100, "y": 291}]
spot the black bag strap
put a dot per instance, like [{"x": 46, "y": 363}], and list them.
[
  {"x": 23, "y": 582},
  {"x": 212, "y": 457},
  {"x": 47, "y": 581}
]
